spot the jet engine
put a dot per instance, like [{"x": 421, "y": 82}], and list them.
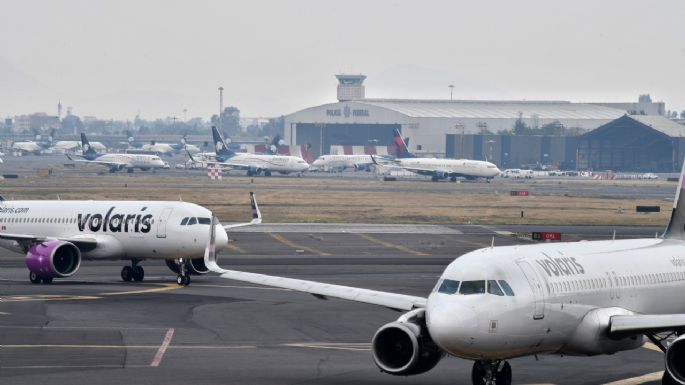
[
  {"x": 675, "y": 359},
  {"x": 52, "y": 259},
  {"x": 404, "y": 347},
  {"x": 253, "y": 171},
  {"x": 194, "y": 266}
]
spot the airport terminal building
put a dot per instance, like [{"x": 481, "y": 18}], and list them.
[{"x": 357, "y": 121}]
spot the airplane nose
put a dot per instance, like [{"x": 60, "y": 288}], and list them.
[{"x": 452, "y": 326}]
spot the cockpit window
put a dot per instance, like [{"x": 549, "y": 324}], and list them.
[
  {"x": 448, "y": 286},
  {"x": 192, "y": 221},
  {"x": 184, "y": 221},
  {"x": 493, "y": 288},
  {"x": 506, "y": 288},
  {"x": 472, "y": 287},
  {"x": 204, "y": 221}
]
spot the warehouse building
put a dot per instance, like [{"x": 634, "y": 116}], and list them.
[{"x": 355, "y": 120}]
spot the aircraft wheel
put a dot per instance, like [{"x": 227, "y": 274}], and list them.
[
  {"x": 667, "y": 379},
  {"x": 47, "y": 281},
  {"x": 34, "y": 278},
  {"x": 267, "y": 173},
  {"x": 180, "y": 280},
  {"x": 129, "y": 170},
  {"x": 187, "y": 281},
  {"x": 127, "y": 273},
  {"x": 138, "y": 273},
  {"x": 503, "y": 377},
  {"x": 480, "y": 375},
  {"x": 453, "y": 179}
]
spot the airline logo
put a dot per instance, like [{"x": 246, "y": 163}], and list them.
[
  {"x": 219, "y": 146},
  {"x": 115, "y": 223},
  {"x": 86, "y": 147},
  {"x": 560, "y": 266}
]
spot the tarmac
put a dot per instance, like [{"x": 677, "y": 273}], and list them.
[{"x": 93, "y": 328}]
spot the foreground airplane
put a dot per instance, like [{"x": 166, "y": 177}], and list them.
[
  {"x": 57, "y": 235},
  {"x": 254, "y": 164},
  {"x": 443, "y": 168},
  {"x": 117, "y": 162},
  {"x": 498, "y": 303}
]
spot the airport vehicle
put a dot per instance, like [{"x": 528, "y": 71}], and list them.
[
  {"x": 117, "y": 162},
  {"x": 439, "y": 168},
  {"x": 337, "y": 163},
  {"x": 57, "y": 236},
  {"x": 254, "y": 164},
  {"x": 497, "y": 303}
]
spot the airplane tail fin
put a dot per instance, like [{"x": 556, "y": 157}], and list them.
[
  {"x": 273, "y": 147},
  {"x": 676, "y": 226},
  {"x": 402, "y": 151},
  {"x": 220, "y": 144},
  {"x": 85, "y": 145},
  {"x": 52, "y": 136}
]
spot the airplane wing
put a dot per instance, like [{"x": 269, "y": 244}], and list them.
[
  {"x": 238, "y": 166},
  {"x": 102, "y": 162},
  {"x": 256, "y": 215},
  {"x": 624, "y": 325},
  {"x": 30, "y": 239}
]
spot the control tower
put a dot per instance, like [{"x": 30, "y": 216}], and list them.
[{"x": 350, "y": 87}]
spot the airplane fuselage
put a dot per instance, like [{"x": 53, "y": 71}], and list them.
[
  {"x": 449, "y": 167},
  {"x": 564, "y": 294},
  {"x": 122, "y": 229},
  {"x": 276, "y": 163}
]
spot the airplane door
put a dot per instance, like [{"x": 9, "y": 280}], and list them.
[
  {"x": 161, "y": 222},
  {"x": 536, "y": 286}
]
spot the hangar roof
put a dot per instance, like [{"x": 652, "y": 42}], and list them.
[
  {"x": 495, "y": 109},
  {"x": 661, "y": 124}
]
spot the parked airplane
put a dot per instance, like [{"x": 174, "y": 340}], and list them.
[
  {"x": 57, "y": 236},
  {"x": 75, "y": 145},
  {"x": 161, "y": 148},
  {"x": 254, "y": 164},
  {"x": 336, "y": 163},
  {"x": 497, "y": 303},
  {"x": 439, "y": 168},
  {"x": 28, "y": 146},
  {"x": 117, "y": 162},
  {"x": 44, "y": 143}
]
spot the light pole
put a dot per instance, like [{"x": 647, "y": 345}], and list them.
[
  {"x": 221, "y": 106},
  {"x": 451, "y": 86}
]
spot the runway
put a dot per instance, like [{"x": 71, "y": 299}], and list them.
[{"x": 94, "y": 329}]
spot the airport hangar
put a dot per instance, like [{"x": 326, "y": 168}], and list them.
[{"x": 358, "y": 121}]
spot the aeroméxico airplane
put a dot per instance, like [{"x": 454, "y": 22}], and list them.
[
  {"x": 57, "y": 235},
  {"x": 439, "y": 168},
  {"x": 117, "y": 162},
  {"x": 497, "y": 303}
]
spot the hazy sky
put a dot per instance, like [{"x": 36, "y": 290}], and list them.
[{"x": 114, "y": 59}]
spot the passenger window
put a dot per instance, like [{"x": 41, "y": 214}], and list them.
[
  {"x": 506, "y": 288},
  {"x": 472, "y": 287},
  {"x": 184, "y": 221},
  {"x": 192, "y": 221},
  {"x": 493, "y": 288},
  {"x": 448, "y": 286}
]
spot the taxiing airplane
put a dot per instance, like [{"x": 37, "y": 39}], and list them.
[
  {"x": 254, "y": 164},
  {"x": 498, "y": 303},
  {"x": 57, "y": 236},
  {"x": 340, "y": 162},
  {"x": 441, "y": 168},
  {"x": 117, "y": 162}
]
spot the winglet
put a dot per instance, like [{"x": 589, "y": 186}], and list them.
[
  {"x": 676, "y": 226},
  {"x": 373, "y": 159},
  {"x": 256, "y": 214}
]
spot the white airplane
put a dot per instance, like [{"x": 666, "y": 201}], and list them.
[
  {"x": 26, "y": 147},
  {"x": 117, "y": 162},
  {"x": 497, "y": 303},
  {"x": 75, "y": 145},
  {"x": 57, "y": 236},
  {"x": 441, "y": 168},
  {"x": 161, "y": 148},
  {"x": 334, "y": 163},
  {"x": 254, "y": 164}
]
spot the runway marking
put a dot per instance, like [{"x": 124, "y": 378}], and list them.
[
  {"x": 243, "y": 287},
  {"x": 639, "y": 379},
  {"x": 294, "y": 245},
  {"x": 166, "y": 287},
  {"x": 392, "y": 245},
  {"x": 363, "y": 346},
  {"x": 236, "y": 248},
  {"x": 47, "y": 297},
  {"x": 133, "y": 347},
  {"x": 162, "y": 348},
  {"x": 62, "y": 366},
  {"x": 651, "y": 346}
]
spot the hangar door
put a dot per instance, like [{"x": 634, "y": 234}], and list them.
[{"x": 322, "y": 136}]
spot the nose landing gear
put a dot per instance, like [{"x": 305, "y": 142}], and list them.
[
  {"x": 183, "y": 278},
  {"x": 491, "y": 373}
]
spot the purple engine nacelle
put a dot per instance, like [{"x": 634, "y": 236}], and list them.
[{"x": 53, "y": 259}]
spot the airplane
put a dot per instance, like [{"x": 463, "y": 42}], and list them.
[
  {"x": 75, "y": 145},
  {"x": 254, "y": 164},
  {"x": 161, "y": 148},
  {"x": 442, "y": 168},
  {"x": 47, "y": 143},
  {"x": 28, "y": 146},
  {"x": 57, "y": 236},
  {"x": 497, "y": 303},
  {"x": 117, "y": 162},
  {"x": 341, "y": 162}
]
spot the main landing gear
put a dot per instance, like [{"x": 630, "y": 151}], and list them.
[
  {"x": 491, "y": 373},
  {"x": 34, "y": 278},
  {"x": 183, "y": 278},
  {"x": 134, "y": 272}
]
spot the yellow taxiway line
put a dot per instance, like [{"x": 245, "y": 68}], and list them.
[
  {"x": 392, "y": 245},
  {"x": 294, "y": 245}
]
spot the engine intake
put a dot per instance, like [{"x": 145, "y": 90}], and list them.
[
  {"x": 675, "y": 359},
  {"x": 405, "y": 348},
  {"x": 53, "y": 259}
]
